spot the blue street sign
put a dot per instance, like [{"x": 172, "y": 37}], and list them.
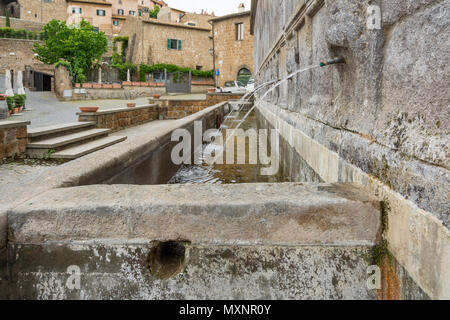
[{"x": 217, "y": 72}]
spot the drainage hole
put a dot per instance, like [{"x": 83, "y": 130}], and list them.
[{"x": 166, "y": 259}]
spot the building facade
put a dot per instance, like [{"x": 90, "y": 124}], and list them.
[
  {"x": 97, "y": 12},
  {"x": 44, "y": 10},
  {"x": 233, "y": 48},
  {"x": 153, "y": 41}
]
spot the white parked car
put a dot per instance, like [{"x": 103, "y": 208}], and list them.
[
  {"x": 250, "y": 85},
  {"x": 232, "y": 87}
]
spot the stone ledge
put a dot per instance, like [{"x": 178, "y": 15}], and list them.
[
  {"x": 111, "y": 111},
  {"x": 288, "y": 214},
  {"x": 13, "y": 124}
]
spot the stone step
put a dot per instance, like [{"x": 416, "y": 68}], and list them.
[
  {"x": 65, "y": 140},
  {"x": 59, "y": 129},
  {"x": 87, "y": 148}
]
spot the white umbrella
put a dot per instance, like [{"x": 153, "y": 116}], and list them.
[
  {"x": 9, "y": 90},
  {"x": 19, "y": 83}
]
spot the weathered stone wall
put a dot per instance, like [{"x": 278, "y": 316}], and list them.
[
  {"x": 127, "y": 92},
  {"x": 380, "y": 119},
  {"x": 289, "y": 256},
  {"x": 177, "y": 109},
  {"x": 22, "y": 24},
  {"x": 194, "y": 52},
  {"x": 41, "y": 11},
  {"x": 232, "y": 55},
  {"x": 13, "y": 138},
  {"x": 15, "y": 54},
  {"x": 119, "y": 119},
  {"x": 62, "y": 81}
]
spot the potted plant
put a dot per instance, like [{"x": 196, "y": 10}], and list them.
[
  {"x": 2, "y": 97},
  {"x": 19, "y": 100},
  {"x": 89, "y": 109},
  {"x": 131, "y": 104},
  {"x": 11, "y": 104}
]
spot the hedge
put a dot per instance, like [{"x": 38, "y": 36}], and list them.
[
  {"x": 145, "y": 69},
  {"x": 21, "y": 34}
]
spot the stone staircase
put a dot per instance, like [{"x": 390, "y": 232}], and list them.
[{"x": 68, "y": 141}]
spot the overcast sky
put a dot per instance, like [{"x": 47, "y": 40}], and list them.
[{"x": 220, "y": 7}]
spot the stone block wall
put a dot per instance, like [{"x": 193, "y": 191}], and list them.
[
  {"x": 22, "y": 24},
  {"x": 15, "y": 54},
  {"x": 42, "y": 11},
  {"x": 379, "y": 119},
  {"x": 119, "y": 119},
  {"x": 195, "y": 50},
  {"x": 177, "y": 108},
  {"x": 13, "y": 138},
  {"x": 232, "y": 55}
]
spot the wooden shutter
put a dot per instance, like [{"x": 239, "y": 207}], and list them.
[
  {"x": 179, "y": 44},
  {"x": 168, "y": 43}
]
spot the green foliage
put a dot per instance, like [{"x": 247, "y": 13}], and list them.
[
  {"x": 145, "y": 69},
  {"x": 8, "y": 21},
  {"x": 124, "y": 40},
  {"x": 48, "y": 154},
  {"x": 154, "y": 12},
  {"x": 123, "y": 67},
  {"x": 20, "y": 34},
  {"x": 118, "y": 60},
  {"x": 10, "y": 101},
  {"x": 80, "y": 47},
  {"x": 19, "y": 100}
]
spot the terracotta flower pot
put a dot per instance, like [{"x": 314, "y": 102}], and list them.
[
  {"x": 131, "y": 105},
  {"x": 156, "y": 96},
  {"x": 16, "y": 110},
  {"x": 211, "y": 90},
  {"x": 89, "y": 109}
]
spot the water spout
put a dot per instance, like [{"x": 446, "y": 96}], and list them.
[{"x": 336, "y": 60}]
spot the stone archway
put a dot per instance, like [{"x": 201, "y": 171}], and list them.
[{"x": 244, "y": 74}]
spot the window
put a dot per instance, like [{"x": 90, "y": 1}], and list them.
[
  {"x": 140, "y": 13},
  {"x": 131, "y": 13},
  {"x": 199, "y": 67},
  {"x": 76, "y": 10},
  {"x": 115, "y": 22},
  {"x": 48, "y": 1},
  {"x": 96, "y": 29},
  {"x": 239, "y": 31},
  {"x": 174, "y": 44},
  {"x": 101, "y": 12},
  {"x": 120, "y": 12},
  {"x": 191, "y": 23}
]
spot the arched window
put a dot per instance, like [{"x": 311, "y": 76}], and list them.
[{"x": 244, "y": 76}]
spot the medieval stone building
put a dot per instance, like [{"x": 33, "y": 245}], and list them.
[
  {"x": 233, "y": 47},
  {"x": 153, "y": 41}
]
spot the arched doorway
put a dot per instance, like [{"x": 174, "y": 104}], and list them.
[{"x": 244, "y": 76}]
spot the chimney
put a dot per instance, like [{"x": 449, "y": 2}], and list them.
[{"x": 241, "y": 8}]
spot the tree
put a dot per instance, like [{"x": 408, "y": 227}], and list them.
[
  {"x": 8, "y": 21},
  {"x": 154, "y": 12},
  {"x": 76, "y": 47}
]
